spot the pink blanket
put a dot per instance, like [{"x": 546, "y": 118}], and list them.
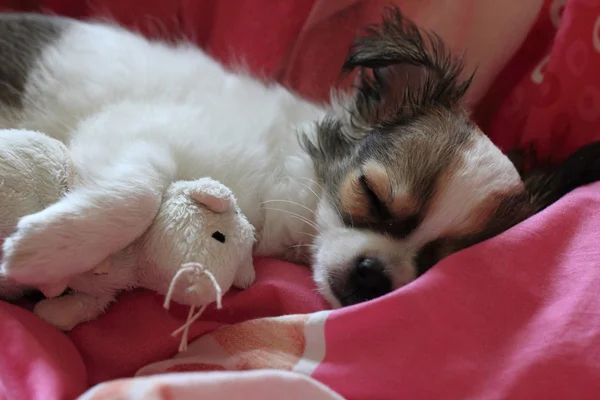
[
  {"x": 516, "y": 317},
  {"x": 254, "y": 385}
]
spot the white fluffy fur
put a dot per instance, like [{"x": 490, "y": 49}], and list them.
[{"x": 150, "y": 115}]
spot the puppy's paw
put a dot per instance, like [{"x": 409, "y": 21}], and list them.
[
  {"x": 43, "y": 250},
  {"x": 64, "y": 312}
]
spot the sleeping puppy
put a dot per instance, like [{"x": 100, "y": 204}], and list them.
[
  {"x": 408, "y": 178},
  {"x": 381, "y": 184}
]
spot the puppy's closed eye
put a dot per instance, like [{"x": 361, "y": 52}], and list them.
[
  {"x": 353, "y": 201},
  {"x": 366, "y": 193},
  {"x": 377, "y": 206},
  {"x": 370, "y": 200}
]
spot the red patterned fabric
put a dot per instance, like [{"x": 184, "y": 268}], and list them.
[
  {"x": 538, "y": 83},
  {"x": 548, "y": 96}
]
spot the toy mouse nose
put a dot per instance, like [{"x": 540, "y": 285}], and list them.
[{"x": 366, "y": 281}]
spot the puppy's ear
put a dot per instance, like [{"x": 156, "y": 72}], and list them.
[
  {"x": 547, "y": 184},
  {"x": 331, "y": 149},
  {"x": 402, "y": 70}
]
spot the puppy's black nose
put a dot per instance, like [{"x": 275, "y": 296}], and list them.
[{"x": 366, "y": 281}]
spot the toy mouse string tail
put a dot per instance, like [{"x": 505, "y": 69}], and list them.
[
  {"x": 199, "y": 270},
  {"x": 186, "y": 329},
  {"x": 172, "y": 285}
]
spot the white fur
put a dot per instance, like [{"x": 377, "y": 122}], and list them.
[
  {"x": 154, "y": 114},
  {"x": 484, "y": 171}
]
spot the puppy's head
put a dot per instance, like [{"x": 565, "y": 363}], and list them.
[{"x": 407, "y": 177}]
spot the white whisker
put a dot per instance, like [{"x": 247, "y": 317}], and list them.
[
  {"x": 290, "y": 202},
  {"x": 295, "y": 215},
  {"x": 307, "y": 186},
  {"x": 312, "y": 246},
  {"x": 319, "y": 197},
  {"x": 309, "y": 234}
]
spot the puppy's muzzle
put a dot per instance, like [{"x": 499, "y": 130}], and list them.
[{"x": 366, "y": 280}]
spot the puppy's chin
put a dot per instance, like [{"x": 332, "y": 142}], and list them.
[
  {"x": 340, "y": 251},
  {"x": 321, "y": 278}
]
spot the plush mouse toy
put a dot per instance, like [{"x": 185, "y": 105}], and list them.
[{"x": 197, "y": 247}]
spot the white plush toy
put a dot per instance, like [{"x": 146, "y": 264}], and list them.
[
  {"x": 198, "y": 246},
  {"x": 35, "y": 172}
]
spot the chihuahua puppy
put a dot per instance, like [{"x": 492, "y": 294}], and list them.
[{"x": 380, "y": 185}]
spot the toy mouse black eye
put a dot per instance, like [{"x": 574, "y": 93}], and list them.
[{"x": 218, "y": 236}]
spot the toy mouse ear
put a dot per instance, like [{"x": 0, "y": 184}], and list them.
[
  {"x": 214, "y": 203},
  {"x": 213, "y": 195}
]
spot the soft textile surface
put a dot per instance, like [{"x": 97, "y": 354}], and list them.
[
  {"x": 549, "y": 94},
  {"x": 254, "y": 385},
  {"x": 515, "y": 317},
  {"x": 37, "y": 361}
]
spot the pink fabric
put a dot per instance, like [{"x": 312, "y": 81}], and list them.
[
  {"x": 39, "y": 363},
  {"x": 137, "y": 329},
  {"x": 36, "y": 361},
  {"x": 549, "y": 95},
  {"x": 516, "y": 317},
  {"x": 254, "y": 385}
]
